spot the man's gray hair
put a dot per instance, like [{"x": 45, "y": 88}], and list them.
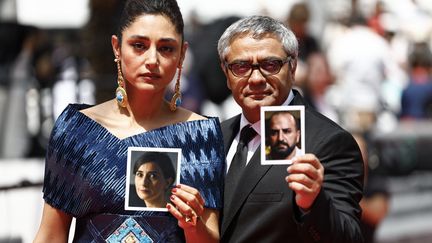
[{"x": 258, "y": 27}]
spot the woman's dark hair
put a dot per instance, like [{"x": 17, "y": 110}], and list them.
[
  {"x": 161, "y": 159},
  {"x": 135, "y": 8}
]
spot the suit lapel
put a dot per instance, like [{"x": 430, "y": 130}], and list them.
[
  {"x": 230, "y": 131},
  {"x": 298, "y": 99}
]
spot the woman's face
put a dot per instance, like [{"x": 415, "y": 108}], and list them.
[
  {"x": 151, "y": 185},
  {"x": 151, "y": 50}
]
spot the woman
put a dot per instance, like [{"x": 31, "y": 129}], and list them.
[
  {"x": 154, "y": 176},
  {"x": 87, "y": 179}
]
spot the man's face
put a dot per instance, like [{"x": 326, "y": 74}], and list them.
[
  {"x": 283, "y": 136},
  {"x": 256, "y": 90}
]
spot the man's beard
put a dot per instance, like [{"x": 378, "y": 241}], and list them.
[{"x": 281, "y": 153}]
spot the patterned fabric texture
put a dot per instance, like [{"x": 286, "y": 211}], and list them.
[{"x": 85, "y": 175}]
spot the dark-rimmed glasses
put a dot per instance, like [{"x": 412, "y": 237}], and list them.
[{"x": 267, "y": 67}]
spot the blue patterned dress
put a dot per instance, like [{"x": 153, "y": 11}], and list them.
[{"x": 85, "y": 175}]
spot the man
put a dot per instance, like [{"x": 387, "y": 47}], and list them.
[
  {"x": 316, "y": 199},
  {"x": 283, "y": 135}
]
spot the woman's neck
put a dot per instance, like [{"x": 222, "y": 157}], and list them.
[{"x": 146, "y": 108}]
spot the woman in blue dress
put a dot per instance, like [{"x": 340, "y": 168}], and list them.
[{"x": 86, "y": 161}]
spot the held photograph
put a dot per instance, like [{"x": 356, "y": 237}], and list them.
[
  {"x": 283, "y": 134},
  {"x": 151, "y": 174}
]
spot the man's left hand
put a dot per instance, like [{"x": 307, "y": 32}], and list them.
[{"x": 306, "y": 175}]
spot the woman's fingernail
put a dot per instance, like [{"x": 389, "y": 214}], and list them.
[{"x": 174, "y": 190}]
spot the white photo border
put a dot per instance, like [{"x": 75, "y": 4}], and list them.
[
  {"x": 129, "y": 168},
  {"x": 264, "y": 110}
]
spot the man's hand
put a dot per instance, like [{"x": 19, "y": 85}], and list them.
[{"x": 306, "y": 175}]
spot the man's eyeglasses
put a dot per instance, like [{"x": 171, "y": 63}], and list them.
[{"x": 267, "y": 67}]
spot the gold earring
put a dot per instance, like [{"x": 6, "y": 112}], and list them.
[
  {"x": 176, "y": 99},
  {"x": 120, "y": 93}
]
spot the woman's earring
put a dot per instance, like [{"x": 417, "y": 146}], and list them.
[
  {"x": 176, "y": 99},
  {"x": 121, "y": 95}
]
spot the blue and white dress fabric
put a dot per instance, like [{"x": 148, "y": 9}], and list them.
[{"x": 85, "y": 175}]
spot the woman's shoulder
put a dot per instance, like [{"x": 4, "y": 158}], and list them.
[
  {"x": 76, "y": 118},
  {"x": 97, "y": 112}
]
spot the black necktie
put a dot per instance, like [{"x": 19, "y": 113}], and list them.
[{"x": 239, "y": 162}]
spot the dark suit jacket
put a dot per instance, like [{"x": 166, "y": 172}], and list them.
[{"x": 264, "y": 208}]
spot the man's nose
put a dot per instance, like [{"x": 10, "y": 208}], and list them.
[
  {"x": 280, "y": 135},
  {"x": 257, "y": 77}
]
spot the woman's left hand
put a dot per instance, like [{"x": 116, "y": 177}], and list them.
[{"x": 187, "y": 205}]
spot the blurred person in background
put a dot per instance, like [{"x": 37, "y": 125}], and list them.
[
  {"x": 374, "y": 20},
  {"x": 39, "y": 98},
  {"x": 74, "y": 81},
  {"x": 362, "y": 63},
  {"x": 104, "y": 16},
  {"x": 34, "y": 79},
  {"x": 416, "y": 100},
  {"x": 217, "y": 98},
  {"x": 298, "y": 20},
  {"x": 317, "y": 82},
  {"x": 17, "y": 79}
]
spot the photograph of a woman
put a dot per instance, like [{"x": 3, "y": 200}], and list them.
[{"x": 151, "y": 179}]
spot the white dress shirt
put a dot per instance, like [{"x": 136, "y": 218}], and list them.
[{"x": 255, "y": 142}]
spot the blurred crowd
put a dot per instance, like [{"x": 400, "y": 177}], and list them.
[{"x": 368, "y": 69}]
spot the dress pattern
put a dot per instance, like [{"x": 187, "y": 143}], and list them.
[{"x": 85, "y": 175}]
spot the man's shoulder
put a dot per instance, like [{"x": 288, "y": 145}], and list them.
[
  {"x": 230, "y": 126},
  {"x": 231, "y": 121},
  {"x": 314, "y": 120}
]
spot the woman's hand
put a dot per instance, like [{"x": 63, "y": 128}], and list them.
[
  {"x": 188, "y": 205},
  {"x": 199, "y": 224}
]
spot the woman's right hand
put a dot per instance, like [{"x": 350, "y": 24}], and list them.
[
  {"x": 200, "y": 224},
  {"x": 189, "y": 205}
]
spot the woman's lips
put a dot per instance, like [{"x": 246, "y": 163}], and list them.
[
  {"x": 144, "y": 190},
  {"x": 150, "y": 76}
]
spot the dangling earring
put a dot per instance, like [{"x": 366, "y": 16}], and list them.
[
  {"x": 176, "y": 99},
  {"x": 121, "y": 95}
]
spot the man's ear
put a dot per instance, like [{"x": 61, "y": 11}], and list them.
[
  {"x": 293, "y": 66},
  {"x": 225, "y": 70}
]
